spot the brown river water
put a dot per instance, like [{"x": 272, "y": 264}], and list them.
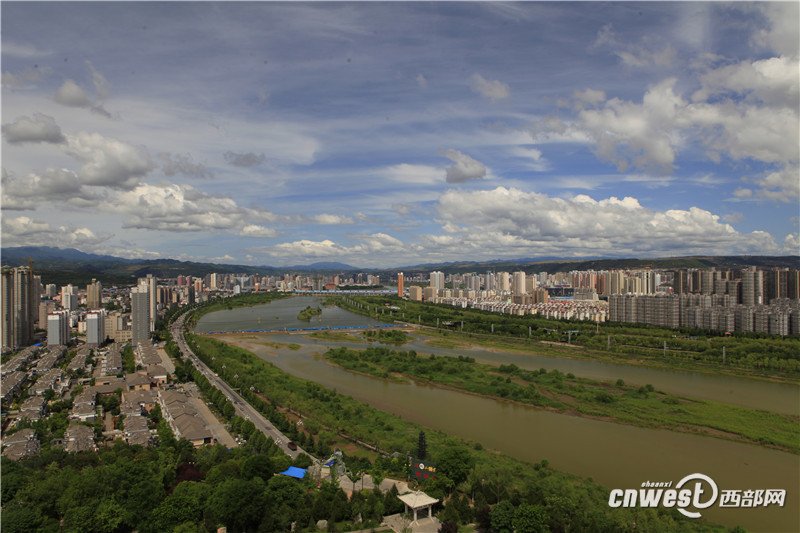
[{"x": 615, "y": 455}]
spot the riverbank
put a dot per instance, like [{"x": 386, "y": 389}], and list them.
[
  {"x": 571, "y": 395},
  {"x": 770, "y": 358},
  {"x": 580, "y": 502},
  {"x": 308, "y": 313}
]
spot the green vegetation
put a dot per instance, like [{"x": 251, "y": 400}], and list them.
[
  {"x": 642, "y": 406},
  {"x": 472, "y": 481},
  {"x": 740, "y": 354},
  {"x": 309, "y": 312},
  {"x": 335, "y": 336},
  {"x": 387, "y": 336},
  {"x": 128, "y": 361}
]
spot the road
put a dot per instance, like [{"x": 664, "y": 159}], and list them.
[{"x": 243, "y": 409}]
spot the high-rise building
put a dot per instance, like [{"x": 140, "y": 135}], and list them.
[
  {"x": 437, "y": 280},
  {"x": 503, "y": 281},
  {"x": 400, "y": 283},
  {"x": 415, "y": 293},
  {"x": 19, "y": 307},
  {"x": 518, "y": 285},
  {"x": 752, "y": 287},
  {"x": 96, "y": 327},
  {"x": 152, "y": 286},
  {"x": 94, "y": 295},
  {"x": 213, "y": 284},
  {"x": 69, "y": 300},
  {"x": 45, "y": 308},
  {"x": 140, "y": 314},
  {"x": 58, "y": 328}
]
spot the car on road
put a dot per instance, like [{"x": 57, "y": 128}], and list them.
[{"x": 291, "y": 445}]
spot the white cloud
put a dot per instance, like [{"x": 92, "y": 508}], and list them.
[
  {"x": 532, "y": 157},
  {"x": 590, "y": 96},
  {"x": 325, "y": 218},
  {"x": 39, "y": 128},
  {"x": 53, "y": 185},
  {"x": 494, "y": 90},
  {"x": 644, "y": 54},
  {"x": 108, "y": 162},
  {"x": 791, "y": 244},
  {"x": 636, "y": 134},
  {"x": 464, "y": 168},
  {"x": 412, "y": 174},
  {"x": 101, "y": 85},
  {"x": 781, "y": 33},
  {"x": 782, "y": 185},
  {"x": 255, "y": 230},
  {"x": 29, "y": 232},
  {"x": 72, "y": 95},
  {"x": 422, "y": 81},
  {"x": 510, "y": 221},
  {"x": 365, "y": 249},
  {"x": 182, "y": 208},
  {"x": 773, "y": 81}
]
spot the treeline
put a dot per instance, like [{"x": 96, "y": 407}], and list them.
[
  {"x": 472, "y": 483},
  {"x": 752, "y": 351}
]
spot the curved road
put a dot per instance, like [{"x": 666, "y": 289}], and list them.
[{"x": 243, "y": 409}]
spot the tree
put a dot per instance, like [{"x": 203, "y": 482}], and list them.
[
  {"x": 422, "y": 447},
  {"x": 502, "y": 517},
  {"x": 237, "y": 503},
  {"x": 530, "y": 519},
  {"x": 456, "y": 462}
]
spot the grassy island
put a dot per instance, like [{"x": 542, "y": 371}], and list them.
[
  {"x": 566, "y": 393},
  {"x": 309, "y": 312}
]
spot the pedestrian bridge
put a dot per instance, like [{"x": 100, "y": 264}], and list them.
[{"x": 309, "y": 329}]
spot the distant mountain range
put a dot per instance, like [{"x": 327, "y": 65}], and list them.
[{"x": 68, "y": 265}]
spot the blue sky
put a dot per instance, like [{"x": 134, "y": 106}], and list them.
[{"x": 386, "y": 134}]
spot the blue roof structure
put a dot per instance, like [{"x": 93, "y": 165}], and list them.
[{"x": 294, "y": 472}]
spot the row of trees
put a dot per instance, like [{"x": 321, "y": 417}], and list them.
[{"x": 751, "y": 351}]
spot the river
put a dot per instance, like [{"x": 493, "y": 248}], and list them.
[{"x": 618, "y": 456}]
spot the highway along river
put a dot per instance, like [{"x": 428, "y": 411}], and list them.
[{"x": 618, "y": 456}]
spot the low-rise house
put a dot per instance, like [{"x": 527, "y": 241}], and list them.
[
  {"x": 158, "y": 374},
  {"x": 32, "y": 408},
  {"x": 108, "y": 385},
  {"x": 50, "y": 380},
  {"x": 136, "y": 401},
  {"x": 12, "y": 385},
  {"x": 21, "y": 444},
  {"x": 84, "y": 407},
  {"x": 79, "y": 438},
  {"x": 137, "y": 381},
  {"x": 136, "y": 431},
  {"x": 112, "y": 362},
  {"x": 146, "y": 355},
  {"x": 183, "y": 418}
]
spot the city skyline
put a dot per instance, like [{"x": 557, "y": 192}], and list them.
[{"x": 394, "y": 134}]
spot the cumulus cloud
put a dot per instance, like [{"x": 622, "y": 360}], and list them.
[
  {"x": 781, "y": 31},
  {"x": 182, "y": 208},
  {"x": 248, "y": 159},
  {"x": 464, "y": 168},
  {"x": 54, "y": 184},
  {"x": 791, "y": 244},
  {"x": 494, "y": 90},
  {"x": 183, "y": 164},
  {"x": 108, "y": 162},
  {"x": 781, "y": 185},
  {"x": 39, "y": 128},
  {"x": 29, "y": 232},
  {"x": 376, "y": 243},
  {"x": 72, "y": 95},
  {"x": 513, "y": 221},
  {"x": 773, "y": 81}
]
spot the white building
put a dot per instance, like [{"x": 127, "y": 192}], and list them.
[
  {"x": 96, "y": 327},
  {"x": 58, "y": 328}
]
